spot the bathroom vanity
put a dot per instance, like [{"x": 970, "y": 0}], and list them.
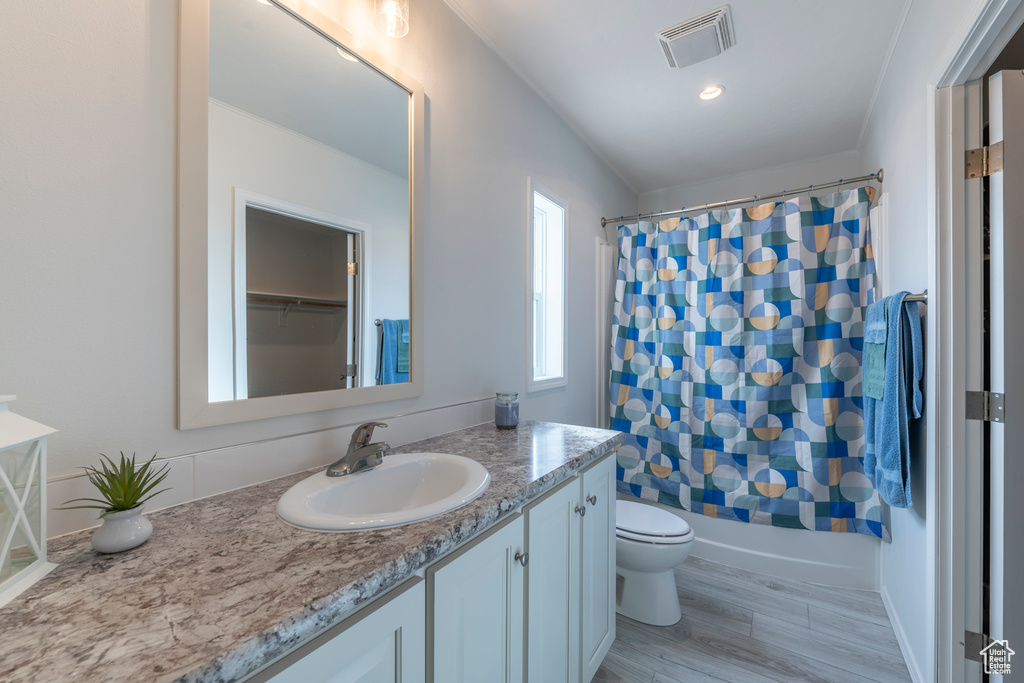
[{"x": 517, "y": 582}]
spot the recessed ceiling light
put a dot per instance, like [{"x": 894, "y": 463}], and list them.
[
  {"x": 711, "y": 92},
  {"x": 348, "y": 55},
  {"x": 264, "y": 2}
]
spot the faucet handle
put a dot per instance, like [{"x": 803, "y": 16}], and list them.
[{"x": 361, "y": 436}]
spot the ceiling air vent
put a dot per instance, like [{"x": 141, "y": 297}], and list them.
[{"x": 698, "y": 39}]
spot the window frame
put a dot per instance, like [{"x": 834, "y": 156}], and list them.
[{"x": 561, "y": 380}]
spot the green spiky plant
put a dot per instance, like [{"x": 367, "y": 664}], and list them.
[{"x": 122, "y": 486}]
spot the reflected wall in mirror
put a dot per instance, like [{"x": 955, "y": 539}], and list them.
[{"x": 308, "y": 236}]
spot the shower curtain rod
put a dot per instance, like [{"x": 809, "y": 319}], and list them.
[{"x": 622, "y": 220}]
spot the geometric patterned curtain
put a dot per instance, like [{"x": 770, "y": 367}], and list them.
[{"x": 736, "y": 363}]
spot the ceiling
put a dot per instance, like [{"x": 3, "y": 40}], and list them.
[
  {"x": 799, "y": 81},
  {"x": 268, "y": 64}
]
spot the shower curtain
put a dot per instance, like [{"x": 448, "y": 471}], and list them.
[{"x": 736, "y": 363}]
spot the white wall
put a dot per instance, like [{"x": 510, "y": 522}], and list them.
[
  {"x": 849, "y": 560},
  {"x": 87, "y": 264},
  {"x": 249, "y": 153},
  {"x": 897, "y": 137},
  {"x": 754, "y": 182}
]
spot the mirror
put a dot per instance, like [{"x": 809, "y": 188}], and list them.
[{"x": 298, "y": 155}]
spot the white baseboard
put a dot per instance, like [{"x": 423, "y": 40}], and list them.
[{"x": 901, "y": 638}]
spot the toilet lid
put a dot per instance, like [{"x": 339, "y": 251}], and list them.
[{"x": 648, "y": 523}]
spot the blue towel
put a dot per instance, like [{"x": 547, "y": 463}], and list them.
[
  {"x": 387, "y": 369},
  {"x": 887, "y": 422},
  {"x": 875, "y": 326}
]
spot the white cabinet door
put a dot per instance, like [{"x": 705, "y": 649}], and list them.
[
  {"x": 553, "y": 586},
  {"x": 477, "y": 599},
  {"x": 598, "y": 566},
  {"x": 383, "y": 643}
]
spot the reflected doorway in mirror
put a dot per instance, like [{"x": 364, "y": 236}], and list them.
[{"x": 298, "y": 295}]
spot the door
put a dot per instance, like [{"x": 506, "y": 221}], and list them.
[
  {"x": 383, "y": 643},
  {"x": 553, "y": 586},
  {"x": 598, "y": 566},
  {"x": 1006, "y": 291},
  {"x": 477, "y": 599}
]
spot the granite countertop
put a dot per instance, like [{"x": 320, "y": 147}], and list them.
[{"x": 223, "y": 586}]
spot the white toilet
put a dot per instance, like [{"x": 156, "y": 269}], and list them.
[{"x": 649, "y": 542}]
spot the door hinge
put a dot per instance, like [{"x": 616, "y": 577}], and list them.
[
  {"x": 973, "y": 644},
  {"x": 353, "y": 269},
  {"x": 986, "y": 406},
  {"x": 983, "y": 161},
  {"x": 350, "y": 371}
]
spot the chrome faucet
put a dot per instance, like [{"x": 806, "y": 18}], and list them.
[{"x": 361, "y": 455}]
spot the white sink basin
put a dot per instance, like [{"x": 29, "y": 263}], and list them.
[{"x": 406, "y": 488}]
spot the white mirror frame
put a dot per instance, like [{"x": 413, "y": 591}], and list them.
[{"x": 194, "y": 407}]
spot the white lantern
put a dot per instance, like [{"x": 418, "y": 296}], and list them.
[{"x": 22, "y": 502}]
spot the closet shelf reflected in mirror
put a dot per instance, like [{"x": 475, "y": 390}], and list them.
[{"x": 287, "y": 299}]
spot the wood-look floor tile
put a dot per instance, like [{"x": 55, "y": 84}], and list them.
[
  {"x": 846, "y": 652},
  {"x": 718, "y": 587},
  {"x": 704, "y": 648},
  {"x": 743, "y": 627},
  {"x": 844, "y": 624},
  {"x": 677, "y": 660},
  {"x": 865, "y": 604},
  {"x": 706, "y": 607},
  {"x": 618, "y": 669},
  {"x": 693, "y": 678}
]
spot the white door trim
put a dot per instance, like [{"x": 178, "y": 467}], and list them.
[
  {"x": 246, "y": 198},
  {"x": 605, "y": 265},
  {"x": 987, "y": 27}
]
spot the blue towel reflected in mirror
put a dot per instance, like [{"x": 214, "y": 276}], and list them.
[{"x": 393, "y": 352}]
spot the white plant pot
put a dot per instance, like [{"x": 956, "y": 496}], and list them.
[{"x": 122, "y": 531}]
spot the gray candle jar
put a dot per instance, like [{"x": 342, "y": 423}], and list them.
[{"x": 506, "y": 410}]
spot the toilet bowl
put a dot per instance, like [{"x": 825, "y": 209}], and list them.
[{"x": 649, "y": 543}]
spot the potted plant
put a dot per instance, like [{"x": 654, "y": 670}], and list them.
[{"x": 123, "y": 488}]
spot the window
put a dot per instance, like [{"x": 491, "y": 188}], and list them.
[{"x": 547, "y": 290}]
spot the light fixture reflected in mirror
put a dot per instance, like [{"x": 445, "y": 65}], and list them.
[
  {"x": 348, "y": 55},
  {"x": 391, "y": 17}
]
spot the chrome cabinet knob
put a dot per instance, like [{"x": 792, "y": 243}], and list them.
[
  {"x": 523, "y": 558},
  {"x": 582, "y": 509},
  {"x": 592, "y": 500}
]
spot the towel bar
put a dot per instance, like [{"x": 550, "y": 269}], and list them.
[{"x": 922, "y": 297}]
